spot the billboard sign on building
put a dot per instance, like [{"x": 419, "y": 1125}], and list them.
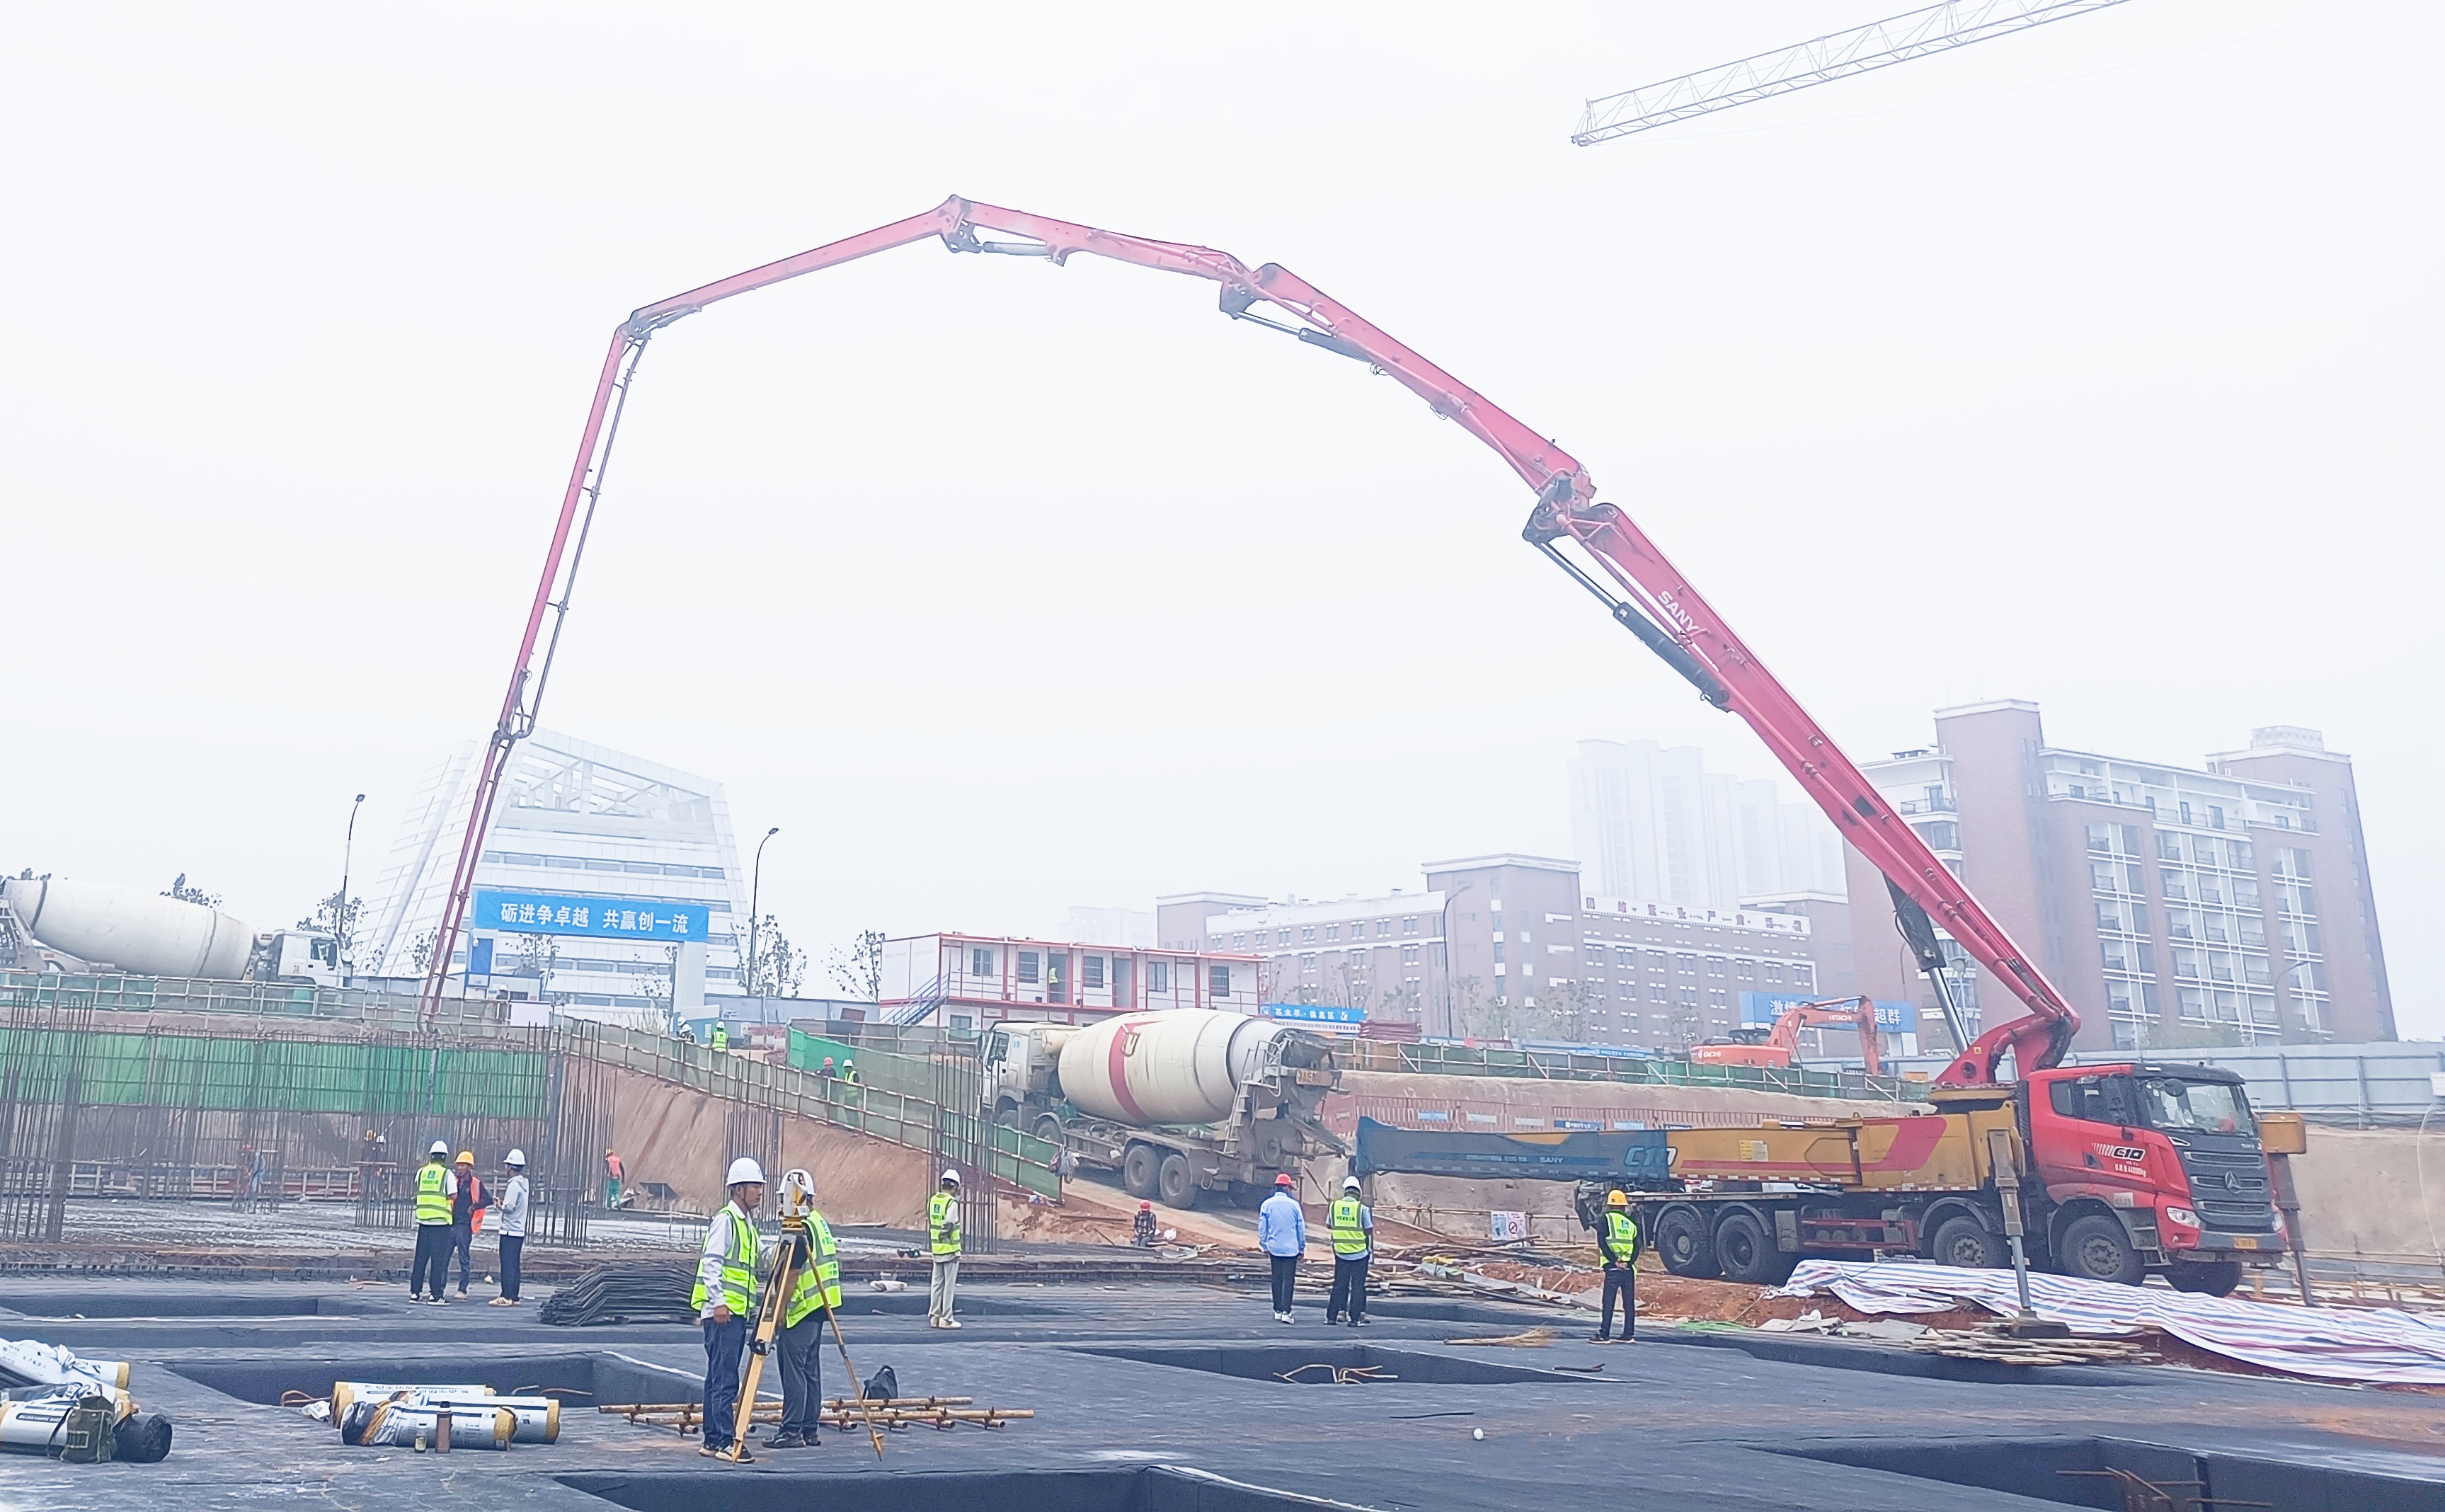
[
  {"x": 560, "y": 913},
  {"x": 1759, "y": 1010}
]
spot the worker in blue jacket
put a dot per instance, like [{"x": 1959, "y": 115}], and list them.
[{"x": 1281, "y": 1233}]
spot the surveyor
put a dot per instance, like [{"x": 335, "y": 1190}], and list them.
[
  {"x": 514, "y": 1202},
  {"x": 1141, "y": 1227},
  {"x": 434, "y": 1190},
  {"x": 1281, "y": 1233},
  {"x": 943, "y": 1235},
  {"x": 725, "y": 1287},
  {"x": 1617, "y": 1240},
  {"x": 1354, "y": 1243},
  {"x": 467, "y": 1201},
  {"x": 611, "y": 1174},
  {"x": 813, "y": 1296}
]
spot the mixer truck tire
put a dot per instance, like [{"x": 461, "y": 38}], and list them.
[
  {"x": 1141, "y": 1169},
  {"x": 1173, "y": 1183},
  {"x": 1688, "y": 1249},
  {"x": 1048, "y": 1129},
  {"x": 2207, "y": 1278},
  {"x": 1747, "y": 1251}
]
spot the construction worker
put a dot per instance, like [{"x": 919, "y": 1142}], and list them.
[
  {"x": 514, "y": 1202},
  {"x": 725, "y": 1288},
  {"x": 943, "y": 1234},
  {"x": 812, "y": 1298},
  {"x": 611, "y": 1174},
  {"x": 467, "y": 1201},
  {"x": 1354, "y": 1245},
  {"x": 828, "y": 1071},
  {"x": 1617, "y": 1240},
  {"x": 849, "y": 1071},
  {"x": 1141, "y": 1227},
  {"x": 434, "y": 1190},
  {"x": 720, "y": 1034},
  {"x": 1281, "y": 1233}
]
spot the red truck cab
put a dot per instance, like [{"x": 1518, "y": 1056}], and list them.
[{"x": 2146, "y": 1165}]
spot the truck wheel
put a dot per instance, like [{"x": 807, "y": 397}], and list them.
[
  {"x": 1681, "y": 1238},
  {"x": 1963, "y": 1240},
  {"x": 1140, "y": 1166},
  {"x": 1747, "y": 1252},
  {"x": 1006, "y": 1114},
  {"x": 2095, "y": 1249},
  {"x": 2209, "y": 1279},
  {"x": 1048, "y": 1129},
  {"x": 1173, "y": 1183}
]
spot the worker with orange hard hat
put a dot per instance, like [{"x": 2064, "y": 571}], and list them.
[
  {"x": 1141, "y": 1227},
  {"x": 468, "y": 1200}
]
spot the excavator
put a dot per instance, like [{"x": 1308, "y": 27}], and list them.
[
  {"x": 2116, "y": 1161},
  {"x": 1779, "y": 1046}
]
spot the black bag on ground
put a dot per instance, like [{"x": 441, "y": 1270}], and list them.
[{"x": 883, "y": 1386}]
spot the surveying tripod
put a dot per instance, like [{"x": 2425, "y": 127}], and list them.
[{"x": 792, "y": 1257}]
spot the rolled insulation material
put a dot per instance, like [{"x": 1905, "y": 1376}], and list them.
[
  {"x": 40, "y": 1427},
  {"x": 397, "y": 1424},
  {"x": 347, "y": 1394},
  {"x": 538, "y": 1417}
]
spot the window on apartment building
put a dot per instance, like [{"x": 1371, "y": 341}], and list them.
[
  {"x": 1745, "y": 970},
  {"x": 1158, "y": 975},
  {"x": 980, "y": 961},
  {"x": 1497, "y": 950},
  {"x": 2185, "y": 812},
  {"x": 1027, "y": 965},
  {"x": 1307, "y": 934},
  {"x": 1090, "y": 971},
  {"x": 1239, "y": 941},
  {"x": 1714, "y": 966},
  {"x": 1655, "y": 960},
  {"x": 1687, "y": 965},
  {"x": 1218, "y": 980},
  {"x": 1774, "y": 971},
  {"x": 1333, "y": 932},
  {"x": 2176, "y": 884},
  {"x": 1307, "y": 963},
  {"x": 1410, "y": 924},
  {"x": 1804, "y": 975},
  {"x": 1409, "y": 955},
  {"x": 2168, "y": 845},
  {"x": 1715, "y": 996},
  {"x": 2216, "y": 816},
  {"x": 1383, "y": 927}
]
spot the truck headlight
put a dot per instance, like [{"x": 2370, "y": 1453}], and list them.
[{"x": 2183, "y": 1217}]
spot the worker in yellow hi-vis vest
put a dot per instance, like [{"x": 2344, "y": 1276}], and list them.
[
  {"x": 1617, "y": 1241},
  {"x": 725, "y": 1287},
  {"x": 943, "y": 1236},
  {"x": 435, "y": 1188},
  {"x": 1354, "y": 1245},
  {"x": 814, "y": 1295}
]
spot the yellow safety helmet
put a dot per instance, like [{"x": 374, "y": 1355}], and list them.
[
  {"x": 1616, "y": 1198},
  {"x": 466, "y": 1157}
]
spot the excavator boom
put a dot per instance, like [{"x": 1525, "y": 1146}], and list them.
[{"x": 1647, "y": 595}]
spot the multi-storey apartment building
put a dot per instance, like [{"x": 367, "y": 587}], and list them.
[{"x": 2234, "y": 899}]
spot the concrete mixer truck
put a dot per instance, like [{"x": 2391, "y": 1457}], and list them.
[
  {"x": 148, "y": 935},
  {"x": 1183, "y": 1104}
]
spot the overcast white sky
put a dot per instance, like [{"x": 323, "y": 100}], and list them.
[{"x": 2095, "y": 365}]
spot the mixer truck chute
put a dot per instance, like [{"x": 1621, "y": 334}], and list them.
[{"x": 1179, "y": 1104}]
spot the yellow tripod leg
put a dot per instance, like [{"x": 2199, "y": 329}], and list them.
[
  {"x": 767, "y": 1320},
  {"x": 856, "y": 1384}
]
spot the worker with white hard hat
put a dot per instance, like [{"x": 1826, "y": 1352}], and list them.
[
  {"x": 435, "y": 1190},
  {"x": 1352, "y": 1223},
  {"x": 943, "y": 1236},
  {"x": 723, "y": 1300},
  {"x": 512, "y": 1207}
]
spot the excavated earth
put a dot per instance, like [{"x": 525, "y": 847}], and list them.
[{"x": 1153, "y": 1396}]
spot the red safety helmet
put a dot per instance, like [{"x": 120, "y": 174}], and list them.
[
  {"x": 1145, "y": 1208},
  {"x": 1283, "y": 1179}
]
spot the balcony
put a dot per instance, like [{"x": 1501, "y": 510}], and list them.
[{"x": 1942, "y": 805}]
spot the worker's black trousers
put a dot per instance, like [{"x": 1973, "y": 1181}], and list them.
[
  {"x": 724, "y": 1343},
  {"x": 513, "y": 1250},
  {"x": 1285, "y": 1280},
  {"x": 432, "y": 1256},
  {"x": 1349, "y": 1288},
  {"x": 801, "y": 1348},
  {"x": 1622, "y": 1281}
]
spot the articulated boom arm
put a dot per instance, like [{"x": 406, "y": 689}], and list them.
[
  {"x": 1858, "y": 1010},
  {"x": 1658, "y": 605}
]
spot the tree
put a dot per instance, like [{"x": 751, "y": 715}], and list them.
[
  {"x": 1565, "y": 1013},
  {"x": 419, "y": 951},
  {"x": 1466, "y": 991},
  {"x": 323, "y": 921},
  {"x": 778, "y": 966},
  {"x": 537, "y": 956},
  {"x": 1498, "y": 1018},
  {"x": 184, "y": 894},
  {"x": 1686, "y": 1027},
  {"x": 858, "y": 969}
]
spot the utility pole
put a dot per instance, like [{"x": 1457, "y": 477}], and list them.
[{"x": 754, "y": 907}]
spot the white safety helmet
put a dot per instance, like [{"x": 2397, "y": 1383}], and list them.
[
  {"x": 952, "y": 1177},
  {"x": 440, "y": 1147},
  {"x": 1350, "y": 1183},
  {"x": 515, "y": 1157},
  {"x": 742, "y": 1171}
]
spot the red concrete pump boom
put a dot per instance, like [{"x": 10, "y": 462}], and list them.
[{"x": 1647, "y": 594}]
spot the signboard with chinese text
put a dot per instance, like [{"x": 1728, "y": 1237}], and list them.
[{"x": 553, "y": 913}]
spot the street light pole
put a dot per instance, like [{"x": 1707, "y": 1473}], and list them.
[
  {"x": 340, "y": 914},
  {"x": 754, "y": 906}
]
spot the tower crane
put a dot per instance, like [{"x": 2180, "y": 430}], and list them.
[
  {"x": 1819, "y": 60},
  {"x": 1595, "y": 543}
]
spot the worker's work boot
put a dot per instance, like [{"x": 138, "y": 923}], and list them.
[
  {"x": 950, "y": 1322},
  {"x": 785, "y": 1441}
]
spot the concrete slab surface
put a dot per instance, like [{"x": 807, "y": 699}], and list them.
[{"x": 1153, "y": 1396}]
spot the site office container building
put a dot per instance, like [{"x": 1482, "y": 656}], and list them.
[{"x": 957, "y": 981}]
